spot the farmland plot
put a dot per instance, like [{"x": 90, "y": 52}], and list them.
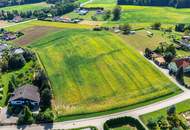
[{"x": 97, "y": 71}]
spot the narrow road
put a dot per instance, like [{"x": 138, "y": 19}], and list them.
[
  {"x": 98, "y": 121},
  {"x": 85, "y": 3}
]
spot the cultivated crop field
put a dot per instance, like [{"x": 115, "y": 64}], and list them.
[
  {"x": 26, "y": 7},
  {"x": 97, "y": 71},
  {"x": 37, "y": 23}
]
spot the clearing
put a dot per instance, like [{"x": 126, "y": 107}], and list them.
[{"x": 97, "y": 71}]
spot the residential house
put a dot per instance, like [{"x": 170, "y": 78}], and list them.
[
  {"x": 25, "y": 95},
  {"x": 83, "y": 12},
  {"x": 177, "y": 63},
  {"x": 17, "y": 19},
  {"x": 17, "y": 51},
  {"x": 158, "y": 59},
  {"x": 99, "y": 11},
  {"x": 9, "y": 36}
]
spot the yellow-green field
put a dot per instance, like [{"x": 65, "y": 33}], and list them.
[
  {"x": 97, "y": 71},
  {"x": 35, "y": 23}
]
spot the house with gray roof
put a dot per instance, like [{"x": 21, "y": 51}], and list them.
[{"x": 25, "y": 95}]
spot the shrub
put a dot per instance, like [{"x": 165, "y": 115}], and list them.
[
  {"x": 152, "y": 124},
  {"x": 156, "y": 26},
  {"x": 16, "y": 62},
  {"x": 45, "y": 117},
  {"x": 116, "y": 13},
  {"x": 46, "y": 96},
  {"x": 117, "y": 122},
  {"x": 26, "y": 118}
]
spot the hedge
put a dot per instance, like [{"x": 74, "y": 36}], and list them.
[{"x": 118, "y": 122}]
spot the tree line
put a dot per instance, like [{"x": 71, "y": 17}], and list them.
[
  {"x": 55, "y": 10},
  {"x": 4, "y": 3},
  {"x": 173, "y": 3}
]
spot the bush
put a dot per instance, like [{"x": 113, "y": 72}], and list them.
[
  {"x": 26, "y": 118},
  {"x": 152, "y": 125},
  {"x": 118, "y": 122},
  {"x": 156, "y": 26},
  {"x": 46, "y": 96},
  {"x": 45, "y": 117},
  {"x": 16, "y": 62}
]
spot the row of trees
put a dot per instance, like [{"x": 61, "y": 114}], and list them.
[
  {"x": 174, "y": 3},
  {"x": 55, "y": 10}
]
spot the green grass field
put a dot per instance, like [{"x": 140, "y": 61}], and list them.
[
  {"x": 96, "y": 71},
  {"x": 26, "y": 7},
  {"x": 145, "y": 14}
]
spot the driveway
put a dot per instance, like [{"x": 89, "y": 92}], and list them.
[{"x": 6, "y": 119}]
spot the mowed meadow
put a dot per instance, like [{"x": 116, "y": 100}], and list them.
[
  {"x": 27, "y": 7},
  {"x": 144, "y": 14},
  {"x": 97, "y": 71}
]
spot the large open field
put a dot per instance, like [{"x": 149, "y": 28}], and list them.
[
  {"x": 97, "y": 71},
  {"x": 145, "y": 14},
  {"x": 26, "y": 7}
]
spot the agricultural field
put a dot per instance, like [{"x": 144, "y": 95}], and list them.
[
  {"x": 37, "y": 23},
  {"x": 97, "y": 71},
  {"x": 26, "y": 7}
]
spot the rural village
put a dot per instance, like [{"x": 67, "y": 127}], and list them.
[{"x": 94, "y": 65}]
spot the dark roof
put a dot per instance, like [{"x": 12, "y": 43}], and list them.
[
  {"x": 27, "y": 91},
  {"x": 185, "y": 62}
]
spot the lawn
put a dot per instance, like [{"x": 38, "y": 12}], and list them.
[
  {"x": 180, "y": 107},
  {"x": 26, "y": 7},
  {"x": 97, "y": 71},
  {"x": 140, "y": 40}
]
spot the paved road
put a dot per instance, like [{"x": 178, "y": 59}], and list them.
[{"x": 98, "y": 121}]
